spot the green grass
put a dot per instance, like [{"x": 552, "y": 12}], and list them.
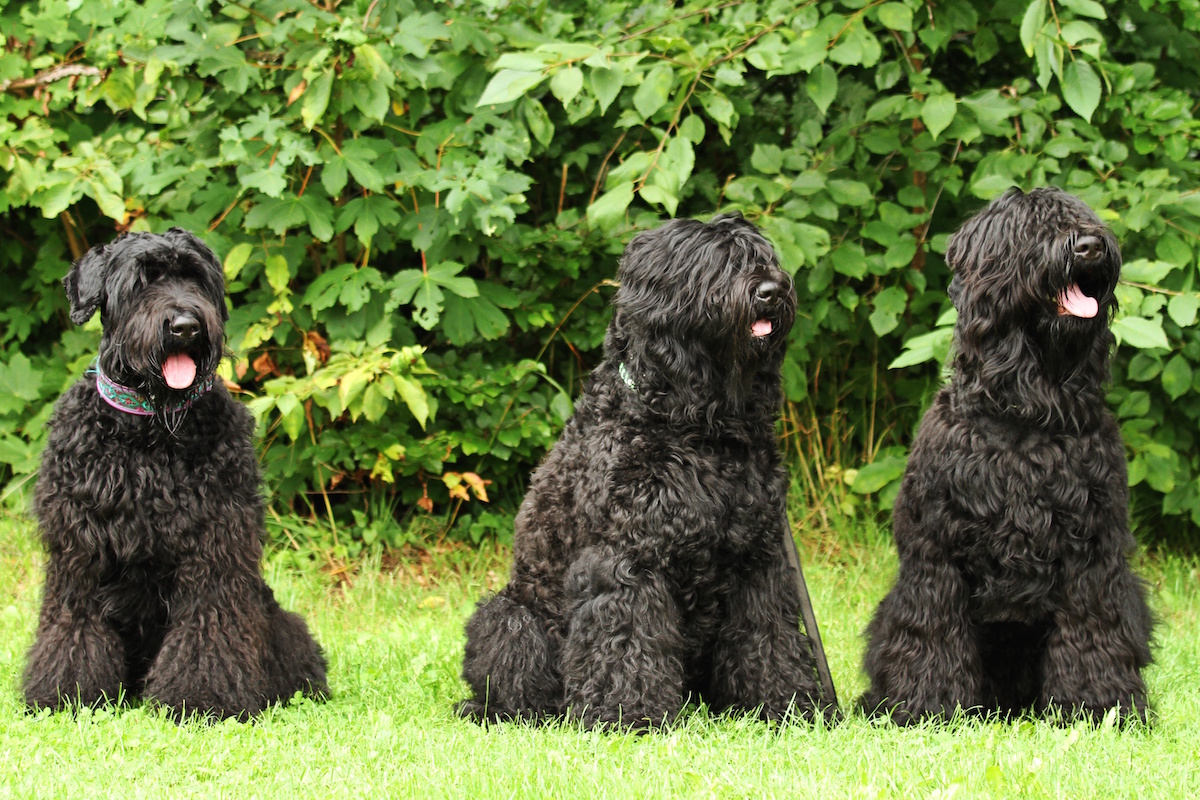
[{"x": 394, "y": 642}]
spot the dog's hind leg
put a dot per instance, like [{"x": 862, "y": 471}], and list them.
[
  {"x": 510, "y": 664},
  {"x": 761, "y": 659},
  {"x": 922, "y": 654},
  {"x": 621, "y": 659},
  {"x": 1098, "y": 644},
  {"x": 294, "y": 661},
  {"x": 77, "y": 655}
]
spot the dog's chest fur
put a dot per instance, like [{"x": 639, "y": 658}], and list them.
[
  {"x": 701, "y": 510},
  {"x": 1022, "y": 505},
  {"x": 140, "y": 489}
]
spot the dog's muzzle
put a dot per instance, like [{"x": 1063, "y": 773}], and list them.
[
  {"x": 183, "y": 330},
  {"x": 769, "y": 297},
  {"x": 1082, "y": 296}
]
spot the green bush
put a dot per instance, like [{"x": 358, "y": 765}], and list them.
[{"x": 420, "y": 207}]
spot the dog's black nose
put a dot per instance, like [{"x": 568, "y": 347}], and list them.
[
  {"x": 1089, "y": 248},
  {"x": 184, "y": 326},
  {"x": 769, "y": 291}
]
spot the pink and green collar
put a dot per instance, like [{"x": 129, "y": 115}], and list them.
[{"x": 132, "y": 401}]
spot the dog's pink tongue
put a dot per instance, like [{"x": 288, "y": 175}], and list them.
[
  {"x": 1074, "y": 302},
  {"x": 179, "y": 371},
  {"x": 762, "y": 327}
]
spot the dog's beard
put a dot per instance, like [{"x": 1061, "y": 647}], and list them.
[{"x": 148, "y": 362}]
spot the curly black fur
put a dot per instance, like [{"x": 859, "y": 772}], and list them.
[
  {"x": 154, "y": 524},
  {"x": 1014, "y": 591},
  {"x": 649, "y": 551}
]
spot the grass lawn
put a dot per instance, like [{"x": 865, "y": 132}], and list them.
[{"x": 393, "y": 638}]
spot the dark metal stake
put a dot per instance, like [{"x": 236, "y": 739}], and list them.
[{"x": 810, "y": 620}]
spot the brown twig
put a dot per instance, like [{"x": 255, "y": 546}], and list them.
[
  {"x": 604, "y": 168},
  {"x": 51, "y": 75},
  {"x": 562, "y": 188},
  {"x": 74, "y": 244},
  {"x": 367, "y": 16},
  {"x": 664, "y": 23},
  {"x": 672, "y": 125}
]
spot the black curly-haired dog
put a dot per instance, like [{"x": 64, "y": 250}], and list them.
[
  {"x": 649, "y": 561},
  {"x": 1014, "y": 591},
  {"x": 148, "y": 505}
]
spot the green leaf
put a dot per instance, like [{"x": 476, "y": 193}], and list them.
[
  {"x": 1141, "y": 333},
  {"x": 766, "y": 158},
  {"x": 1173, "y": 249},
  {"x": 112, "y": 205},
  {"x": 692, "y": 128},
  {"x": 1049, "y": 56},
  {"x": 565, "y": 83},
  {"x": 414, "y": 397},
  {"x": 889, "y": 304},
  {"x": 849, "y": 193},
  {"x": 1177, "y": 377},
  {"x": 660, "y": 195},
  {"x": 290, "y": 212},
  {"x": 525, "y": 62},
  {"x": 875, "y": 476},
  {"x": 1182, "y": 309},
  {"x": 445, "y": 274},
  {"x": 932, "y": 346},
  {"x": 606, "y": 85},
  {"x": 316, "y": 99},
  {"x": 1135, "y": 406},
  {"x": 849, "y": 259},
  {"x": 236, "y": 258},
  {"x": 508, "y": 85},
  {"x": 270, "y": 180},
  {"x": 895, "y": 16},
  {"x": 1142, "y": 270},
  {"x": 323, "y": 292},
  {"x": 424, "y": 290},
  {"x": 609, "y": 209},
  {"x": 277, "y": 272},
  {"x": 654, "y": 91},
  {"x": 20, "y": 378},
  {"x": 1144, "y": 367},
  {"x": 360, "y": 159},
  {"x": 1086, "y": 8},
  {"x": 291, "y": 414},
  {"x": 938, "y": 112},
  {"x": 1031, "y": 24},
  {"x": 1081, "y": 88},
  {"x": 538, "y": 121},
  {"x": 465, "y": 318},
  {"x": 718, "y": 107},
  {"x": 368, "y": 214},
  {"x": 822, "y": 85},
  {"x": 798, "y": 243}
]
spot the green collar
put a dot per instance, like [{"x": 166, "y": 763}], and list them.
[{"x": 626, "y": 377}]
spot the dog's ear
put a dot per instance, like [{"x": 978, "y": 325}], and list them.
[{"x": 85, "y": 283}]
